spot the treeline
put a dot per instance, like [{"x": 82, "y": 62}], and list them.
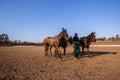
[
  {"x": 5, "y": 41},
  {"x": 113, "y": 38}
]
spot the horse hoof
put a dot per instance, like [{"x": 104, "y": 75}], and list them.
[{"x": 90, "y": 56}]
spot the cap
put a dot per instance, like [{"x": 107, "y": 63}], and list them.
[{"x": 76, "y": 34}]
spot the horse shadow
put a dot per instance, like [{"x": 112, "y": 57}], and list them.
[
  {"x": 98, "y": 53},
  {"x": 92, "y": 54},
  {"x": 68, "y": 56}
]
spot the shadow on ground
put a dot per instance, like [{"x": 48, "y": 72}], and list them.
[
  {"x": 91, "y": 54},
  {"x": 98, "y": 53}
]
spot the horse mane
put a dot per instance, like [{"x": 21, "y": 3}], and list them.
[
  {"x": 89, "y": 35},
  {"x": 61, "y": 33}
]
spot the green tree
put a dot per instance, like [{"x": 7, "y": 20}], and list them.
[{"x": 4, "y": 39}]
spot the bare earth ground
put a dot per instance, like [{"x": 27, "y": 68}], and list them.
[{"x": 29, "y": 63}]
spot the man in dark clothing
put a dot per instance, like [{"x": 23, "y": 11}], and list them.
[
  {"x": 76, "y": 51},
  {"x": 75, "y": 38}
]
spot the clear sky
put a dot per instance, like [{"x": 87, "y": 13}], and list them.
[{"x": 33, "y": 20}]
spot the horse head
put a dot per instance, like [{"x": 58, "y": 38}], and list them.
[
  {"x": 92, "y": 37},
  {"x": 64, "y": 33}
]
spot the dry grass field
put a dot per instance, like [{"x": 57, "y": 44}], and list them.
[{"x": 29, "y": 63}]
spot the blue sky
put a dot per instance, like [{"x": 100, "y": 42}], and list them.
[{"x": 33, "y": 20}]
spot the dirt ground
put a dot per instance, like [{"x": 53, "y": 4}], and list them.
[{"x": 29, "y": 63}]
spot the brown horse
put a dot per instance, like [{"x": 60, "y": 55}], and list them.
[
  {"x": 54, "y": 42},
  {"x": 63, "y": 43},
  {"x": 85, "y": 42}
]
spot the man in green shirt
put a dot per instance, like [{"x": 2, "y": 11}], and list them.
[
  {"x": 76, "y": 51},
  {"x": 75, "y": 38}
]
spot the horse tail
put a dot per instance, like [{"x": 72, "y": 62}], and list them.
[
  {"x": 46, "y": 46},
  {"x": 44, "y": 41}
]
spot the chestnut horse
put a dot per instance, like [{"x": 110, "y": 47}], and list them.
[
  {"x": 54, "y": 42},
  {"x": 63, "y": 43},
  {"x": 85, "y": 42}
]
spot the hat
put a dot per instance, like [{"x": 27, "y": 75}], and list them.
[{"x": 76, "y": 34}]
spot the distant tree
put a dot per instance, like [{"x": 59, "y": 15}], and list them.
[
  {"x": 1, "y": 40},
  {"x": 104, "y": 38},
  {"x": 0, "y": 37},
  {"x": 113, "y": 38},
  {"x": 117, "y": 36},
  {"x": 4, "y": 39},
  {"x": 16, "y": 41}
]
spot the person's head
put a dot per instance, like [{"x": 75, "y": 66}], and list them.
[{"x": 76, "y": 34}]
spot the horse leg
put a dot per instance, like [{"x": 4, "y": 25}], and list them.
[
  {"x": 55, "y": 53},
  {"x": 82, "y": 51},
  {"x": 46, "y": 50},
  {"x": 59, "y": 53},
  {"x": 88, "y": 52},
  {"x": 51, "y": 51},
  {"x": 64, "y": 50},
  {"x": 87, "y": 49}
]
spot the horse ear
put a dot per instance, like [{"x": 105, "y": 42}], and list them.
[
  {"x": 94, "y": 32},
  {"x": 62, "y": 28}
]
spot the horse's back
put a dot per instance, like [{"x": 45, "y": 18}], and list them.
[
  {"x": 81, "y": 41},
  {"x": 51, "y": 41}
]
